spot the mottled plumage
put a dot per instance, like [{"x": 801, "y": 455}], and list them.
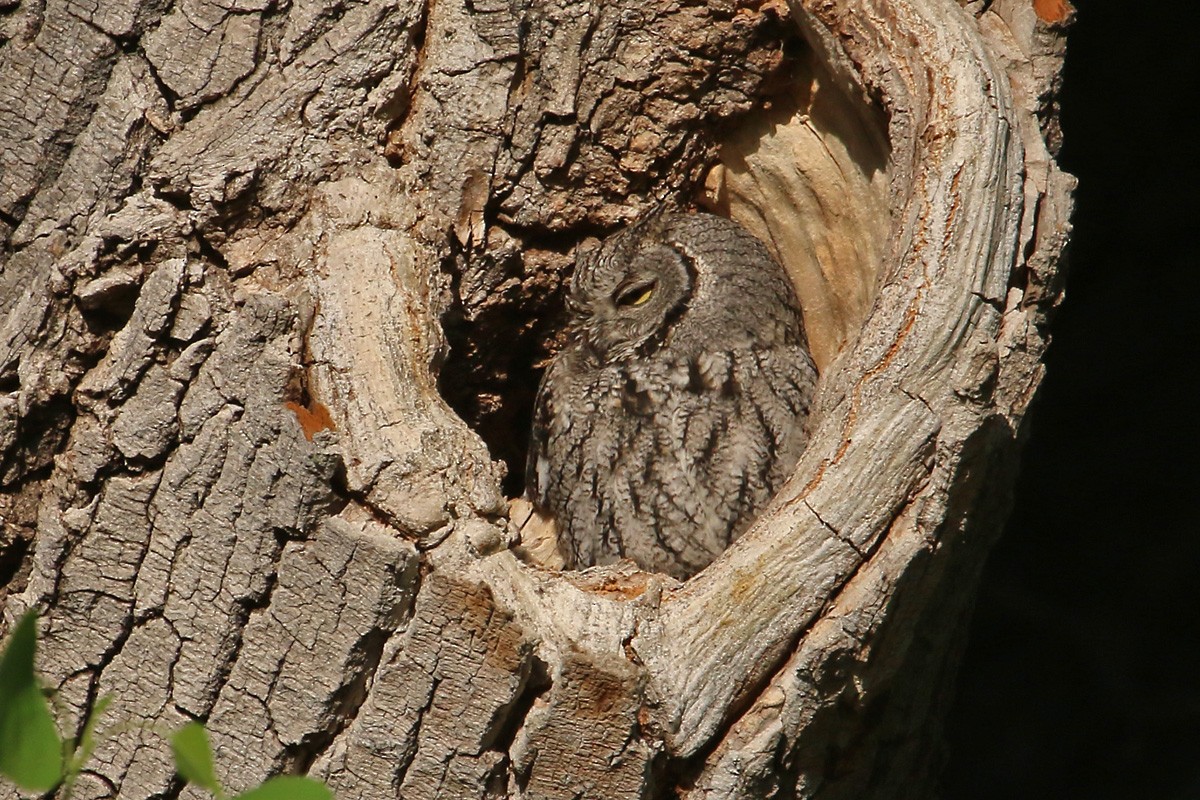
[{"x": 679, "y": 404}]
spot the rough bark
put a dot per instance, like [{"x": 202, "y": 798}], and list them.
[{"x": 273, "y": 273}]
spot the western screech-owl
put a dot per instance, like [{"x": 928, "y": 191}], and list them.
[{"x": 679, "y": 404}]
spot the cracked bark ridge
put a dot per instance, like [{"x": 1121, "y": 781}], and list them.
[
  {"x": 437, "y": 721},
  {"x": 227, "y": 477}
]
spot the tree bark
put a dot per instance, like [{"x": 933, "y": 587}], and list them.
[{"x": 277, "y": 280}]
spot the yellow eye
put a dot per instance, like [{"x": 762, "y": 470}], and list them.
[{"x": 636, "y": 295}]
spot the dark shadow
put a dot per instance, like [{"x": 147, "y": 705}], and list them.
[{"x": 1082, "y": 675}]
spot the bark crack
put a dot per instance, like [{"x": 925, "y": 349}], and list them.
[{"x": 836, "y": 533}]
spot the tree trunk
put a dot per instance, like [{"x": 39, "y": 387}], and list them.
[{"x": 277, "y": 281}]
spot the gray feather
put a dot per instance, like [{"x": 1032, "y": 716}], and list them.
[{"x": 679, "y": 405}]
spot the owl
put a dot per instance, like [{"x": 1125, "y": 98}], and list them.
[{"x": 679, "y": 404}]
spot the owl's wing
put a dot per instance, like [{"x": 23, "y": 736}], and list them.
[{"x": 537, "y": 463}]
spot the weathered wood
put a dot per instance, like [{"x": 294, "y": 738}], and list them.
[{"x": 266, "y": 265}]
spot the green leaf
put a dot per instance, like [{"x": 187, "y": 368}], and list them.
[
  {"x": 87, "y": 742},
  {"x": 193, "y": 757},
  {"x": 86, "y": 746},
  {"x": 288, "y": 787},
  {"x": 30, "y": 750}
]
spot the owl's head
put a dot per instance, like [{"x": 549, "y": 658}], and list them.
[
  {"x": 625, "y": 294},
  {"x": 683, "y": 283}
]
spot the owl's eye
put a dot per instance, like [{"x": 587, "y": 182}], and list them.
[{"x": 635, "y": 295}]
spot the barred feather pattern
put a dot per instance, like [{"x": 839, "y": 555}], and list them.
[{"x": 679, "y": 405}]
